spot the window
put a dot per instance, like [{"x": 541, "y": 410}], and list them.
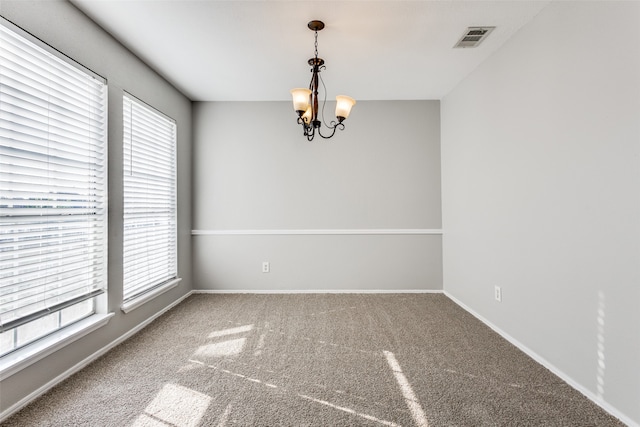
[
  {"x": 52, "y": 189},
  {"x": 150, "y": 234}
]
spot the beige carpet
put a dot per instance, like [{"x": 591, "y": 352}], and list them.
[{"x": 314, "y": 360}]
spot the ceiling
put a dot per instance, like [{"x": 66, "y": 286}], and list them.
[{"x": 240, "y": 50}]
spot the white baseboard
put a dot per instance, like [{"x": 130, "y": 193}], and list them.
[
  {"x": 541, "y": 360},
  {"x": 82, "y": 364},
  {"x": 317, "y": 291}
]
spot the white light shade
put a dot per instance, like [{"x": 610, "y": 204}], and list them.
[
  {"x": 307, "y": 115},
  {"x": 343, "y": 105},
  {"x": 300, "y": 99}
]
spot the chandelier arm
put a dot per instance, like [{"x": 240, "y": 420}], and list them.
[
  {"x": 333, "y": 126},
  {"x": 304, "y": 125},
  {"x": 306, "y": 129},
  {"x": 324, "y": 101},
  {"x": 310, "y": 133}
]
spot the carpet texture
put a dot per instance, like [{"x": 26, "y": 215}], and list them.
[{"x": 314, "y": 360}]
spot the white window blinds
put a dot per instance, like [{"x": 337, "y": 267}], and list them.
[
  {"x": 52, "y": 180},
  {"x": 150, "y": 235}
]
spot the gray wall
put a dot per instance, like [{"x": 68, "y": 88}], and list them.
[
  {"x": 254, "y": 170},
  {"x": 541, "y": 194},
  {"x": 61, "y": 25}
]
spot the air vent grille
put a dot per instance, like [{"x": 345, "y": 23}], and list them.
[{"x": 474, "y": 36}]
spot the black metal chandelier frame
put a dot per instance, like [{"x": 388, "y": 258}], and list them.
[{"x": 308, "y": 118}]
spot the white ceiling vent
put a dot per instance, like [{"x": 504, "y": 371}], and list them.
[{"x": 474, "y": 36}]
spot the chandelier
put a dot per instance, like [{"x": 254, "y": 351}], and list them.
[{"x": 305, "y": 101}]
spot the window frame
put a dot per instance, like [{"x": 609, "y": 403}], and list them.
[
  {"x": 66, "y": 332},
  {"x": 152, "y": 289}
]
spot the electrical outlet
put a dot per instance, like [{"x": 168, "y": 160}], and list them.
[
  {"x": 497, "y": 293},
  {"x": 265, "y": 266}
]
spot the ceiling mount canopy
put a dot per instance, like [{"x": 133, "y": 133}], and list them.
[
  {"x": 305, "y": 101},
  {"x": 315, "y": 25}
]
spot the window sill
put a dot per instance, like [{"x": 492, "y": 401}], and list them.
[
  {"x": 18, "y": 360},
  {"x": 148, "y": 296}
]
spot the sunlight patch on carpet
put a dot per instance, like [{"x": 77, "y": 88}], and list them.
[
  {"x": 350, "y": 411},
  {"x": 260, "y": 345},
  {"x": 230, "y": 331},
  {"x": 302, "y": 396},
  {"x": 174, "y": 405},
  {"x": 225, "y": 416},
  {"x": 221, "y": 349},
  {"x": 409, "y": 396}
]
